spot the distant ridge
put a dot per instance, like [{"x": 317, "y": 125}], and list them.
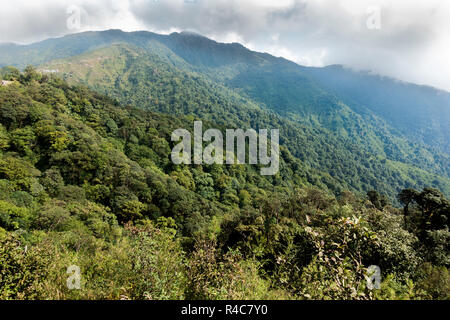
[{"x": 384, "y": 125}]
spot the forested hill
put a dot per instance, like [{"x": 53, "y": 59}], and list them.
[
  {"x": 419, "y": 113},
  {"x": 72, "y": 144},
  {"x": 86, "y": 181},
  {"x": 357, "y": 144},
  {"x": 137, "y": 78}
]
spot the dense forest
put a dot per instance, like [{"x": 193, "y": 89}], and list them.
[
  {"x": 397, "y": 122},
  {"x": 135, "y": 77},
  {"x": 87, "y": 180}
]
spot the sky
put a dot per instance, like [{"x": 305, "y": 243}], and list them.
[{"x": 405, "y": 39}]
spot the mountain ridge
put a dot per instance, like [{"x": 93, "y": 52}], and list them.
[
  {"x": 192, "y": 33},
  {"x": 145, "y": 84},
  {"x": 293, "y": 92}
]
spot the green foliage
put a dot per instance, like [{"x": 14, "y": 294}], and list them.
[
  {"x": 86, "y": 182},
  {"x": 158, "y": 264},
  {"x": 339, "y": 148},
  {"x": 21, "y": 268},
  {"x": 393, "y": 289},
  {"x": 435, "y": 281},
  {"x": 13, "y": 217},
  {"x": 337, "y": 271},
  {"x": 228, "y": 276}
]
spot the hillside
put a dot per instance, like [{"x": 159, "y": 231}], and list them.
[
  {"x": 85, "y": 180},
  {"x": 280, "y": 84},
  {"x": 315, "y": 98},
  {"x": 140, "y": 77},
  {"x": 421, "y": 113}
]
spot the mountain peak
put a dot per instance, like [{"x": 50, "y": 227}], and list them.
[{"x": 190, "y": 33}]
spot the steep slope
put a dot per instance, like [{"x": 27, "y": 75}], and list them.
[
  {"x": 290, "y": 93},
  {"x": 135, "y": 77},
  {"x": 309, "y": 95},
  {"x": 87, "y": 183},
  {"x": 72, "y": 144},
  {"x": 190, "y": 74},
  {"x": 421, "y": 113}
]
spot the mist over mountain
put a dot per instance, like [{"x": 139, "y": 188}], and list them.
[
  {"x": 87, "y": 175},
  {"x": 427, "y": 119},
  {"x": 402, "y": 127}
]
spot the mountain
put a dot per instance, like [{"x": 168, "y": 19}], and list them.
[
  {"x": 426, "y": 119},
  {"x": 421, "y": 113},
  {"x": 398, "y": 120},
  {"x": 354, "y": 144},
  {"x": 117, "y": 157},
  {"x": 87, "y": 186}
]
